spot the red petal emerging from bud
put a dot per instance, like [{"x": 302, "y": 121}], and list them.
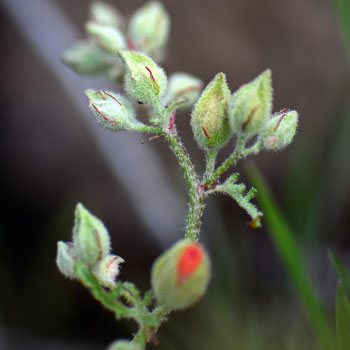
[{"x": 189, "y": 261}]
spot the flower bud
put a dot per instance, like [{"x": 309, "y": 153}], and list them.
[
  {"x": 184, "y": 89},
  {"x": 250, "y": 106},
  {"x": 112, "y": 110},
  {"x": 209, "y": 118},
  {"x": 84, "y": 58},
  {"x": 65, "y": 259},
  {"x": 106, "y": 37},
  {"x": 149, "y": 29},
  {"x": 280, "y": 130},
  {"x": 91, "y": 240},
  {"x": 125, "y": 345},
  {"x": 180, "y": 275},
  {"x": 107, "y": 269},
  {"x": 144, "y": 79},
  {"x": 104, "y": 13}
]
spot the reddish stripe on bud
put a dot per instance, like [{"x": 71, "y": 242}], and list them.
[
  {"x": 130, "y": 44},
  {"x": 104, "y": 117},
  {"x": 172, "y": 122},
  {"x": 111, "y": 96},
  {"x": 205, "y": 133},
  {"x": 189, "y": 261},
  {"x": 279, "y": 122},
  {"x": 153, "y": 79},
  {"x": 249, "y": 119}
]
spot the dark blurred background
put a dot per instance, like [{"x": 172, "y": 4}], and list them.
[{"x": 53, "y": 156}]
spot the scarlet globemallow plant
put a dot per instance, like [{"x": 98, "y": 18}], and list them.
[{"x": 127, "y": 53}]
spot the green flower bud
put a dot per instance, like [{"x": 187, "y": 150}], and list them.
[
  {"x": 91, "y": 240},
  {"x": 280, "y": 130},
  {"x": 84, "y": 58},
  {"x": 144, "y": 79},
  {"x": 250, "y": 106},
  {"x": 107, "y": 37},
  {"x": 104, "y": 13},
  {"x": 209, "y": 118},
  {"x": 125, "y": 345},
  {"x": 65, "y": 259},
  {"x": 149, "y": 29},
  {"x": 180, "y": 276},
  {"x": 112, "y": 110},
  {"x": 107, "y": 269},
  {"x": 183, "y": 89}
]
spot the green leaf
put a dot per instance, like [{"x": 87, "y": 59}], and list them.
[
  {"x": 343, "y": 318},
  {"x": 237, "y": 192}
]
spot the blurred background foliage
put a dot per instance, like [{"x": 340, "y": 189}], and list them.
[{"x": 49, "y": 161}]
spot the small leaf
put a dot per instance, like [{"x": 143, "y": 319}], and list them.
[
  {"x": 237, "y": 192},
  {"x": 343, "y": 318}
]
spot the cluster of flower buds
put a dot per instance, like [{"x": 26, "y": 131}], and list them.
[
  {"x": 180, "y": 276},
  {"x": 145, "y": 82},
  {"x": 108, "y": 33},
  {"x": 246, "y": 113},
  {"x": 90, "y": 245}
]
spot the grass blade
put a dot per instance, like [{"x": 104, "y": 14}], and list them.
[
  {"x": 343, "y": 318},
  {"x": 288, "y": 250}
]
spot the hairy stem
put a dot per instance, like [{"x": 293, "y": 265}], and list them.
[
  {"x": 196, "y": 205},
  {"x": 231, "y": 160},
  {"x": 210, "y": 164}
]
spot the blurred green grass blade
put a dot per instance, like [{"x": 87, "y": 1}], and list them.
[
  {"x": 343, "y": 318},
  {"x": 286, "y": 246},
  {"x": 342, "y": 10},
  {"x": 343, "y": 275}
]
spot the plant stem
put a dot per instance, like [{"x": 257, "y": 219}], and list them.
[
  {"x": 232, "y": 159},
  {"x": 210, "y": 164},
  {"x": 196, "y": 206}
]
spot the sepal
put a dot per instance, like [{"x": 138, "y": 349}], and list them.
[
  {"x": 113, "y": 110},
  {"x": 149, "y": 29},
  {"x": 280, "y": 130},
  {"x": 125, "y": 345},
  {"x": 65, "y": 259},
  {"x": 209, "y": 118},
  {"x": 250, "y": 106},
  {"x": 183, "y": 90},
  {"x": 85, "y": 58},
  {"x": 91, "y": 241},
  {"x": 180, "y": 276},
  {"x": 104, "y": 13},
  {"x": 107, "y": 270},
  {"x": 107, "y": 37},
  {"x": 144, "y": 79}
]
